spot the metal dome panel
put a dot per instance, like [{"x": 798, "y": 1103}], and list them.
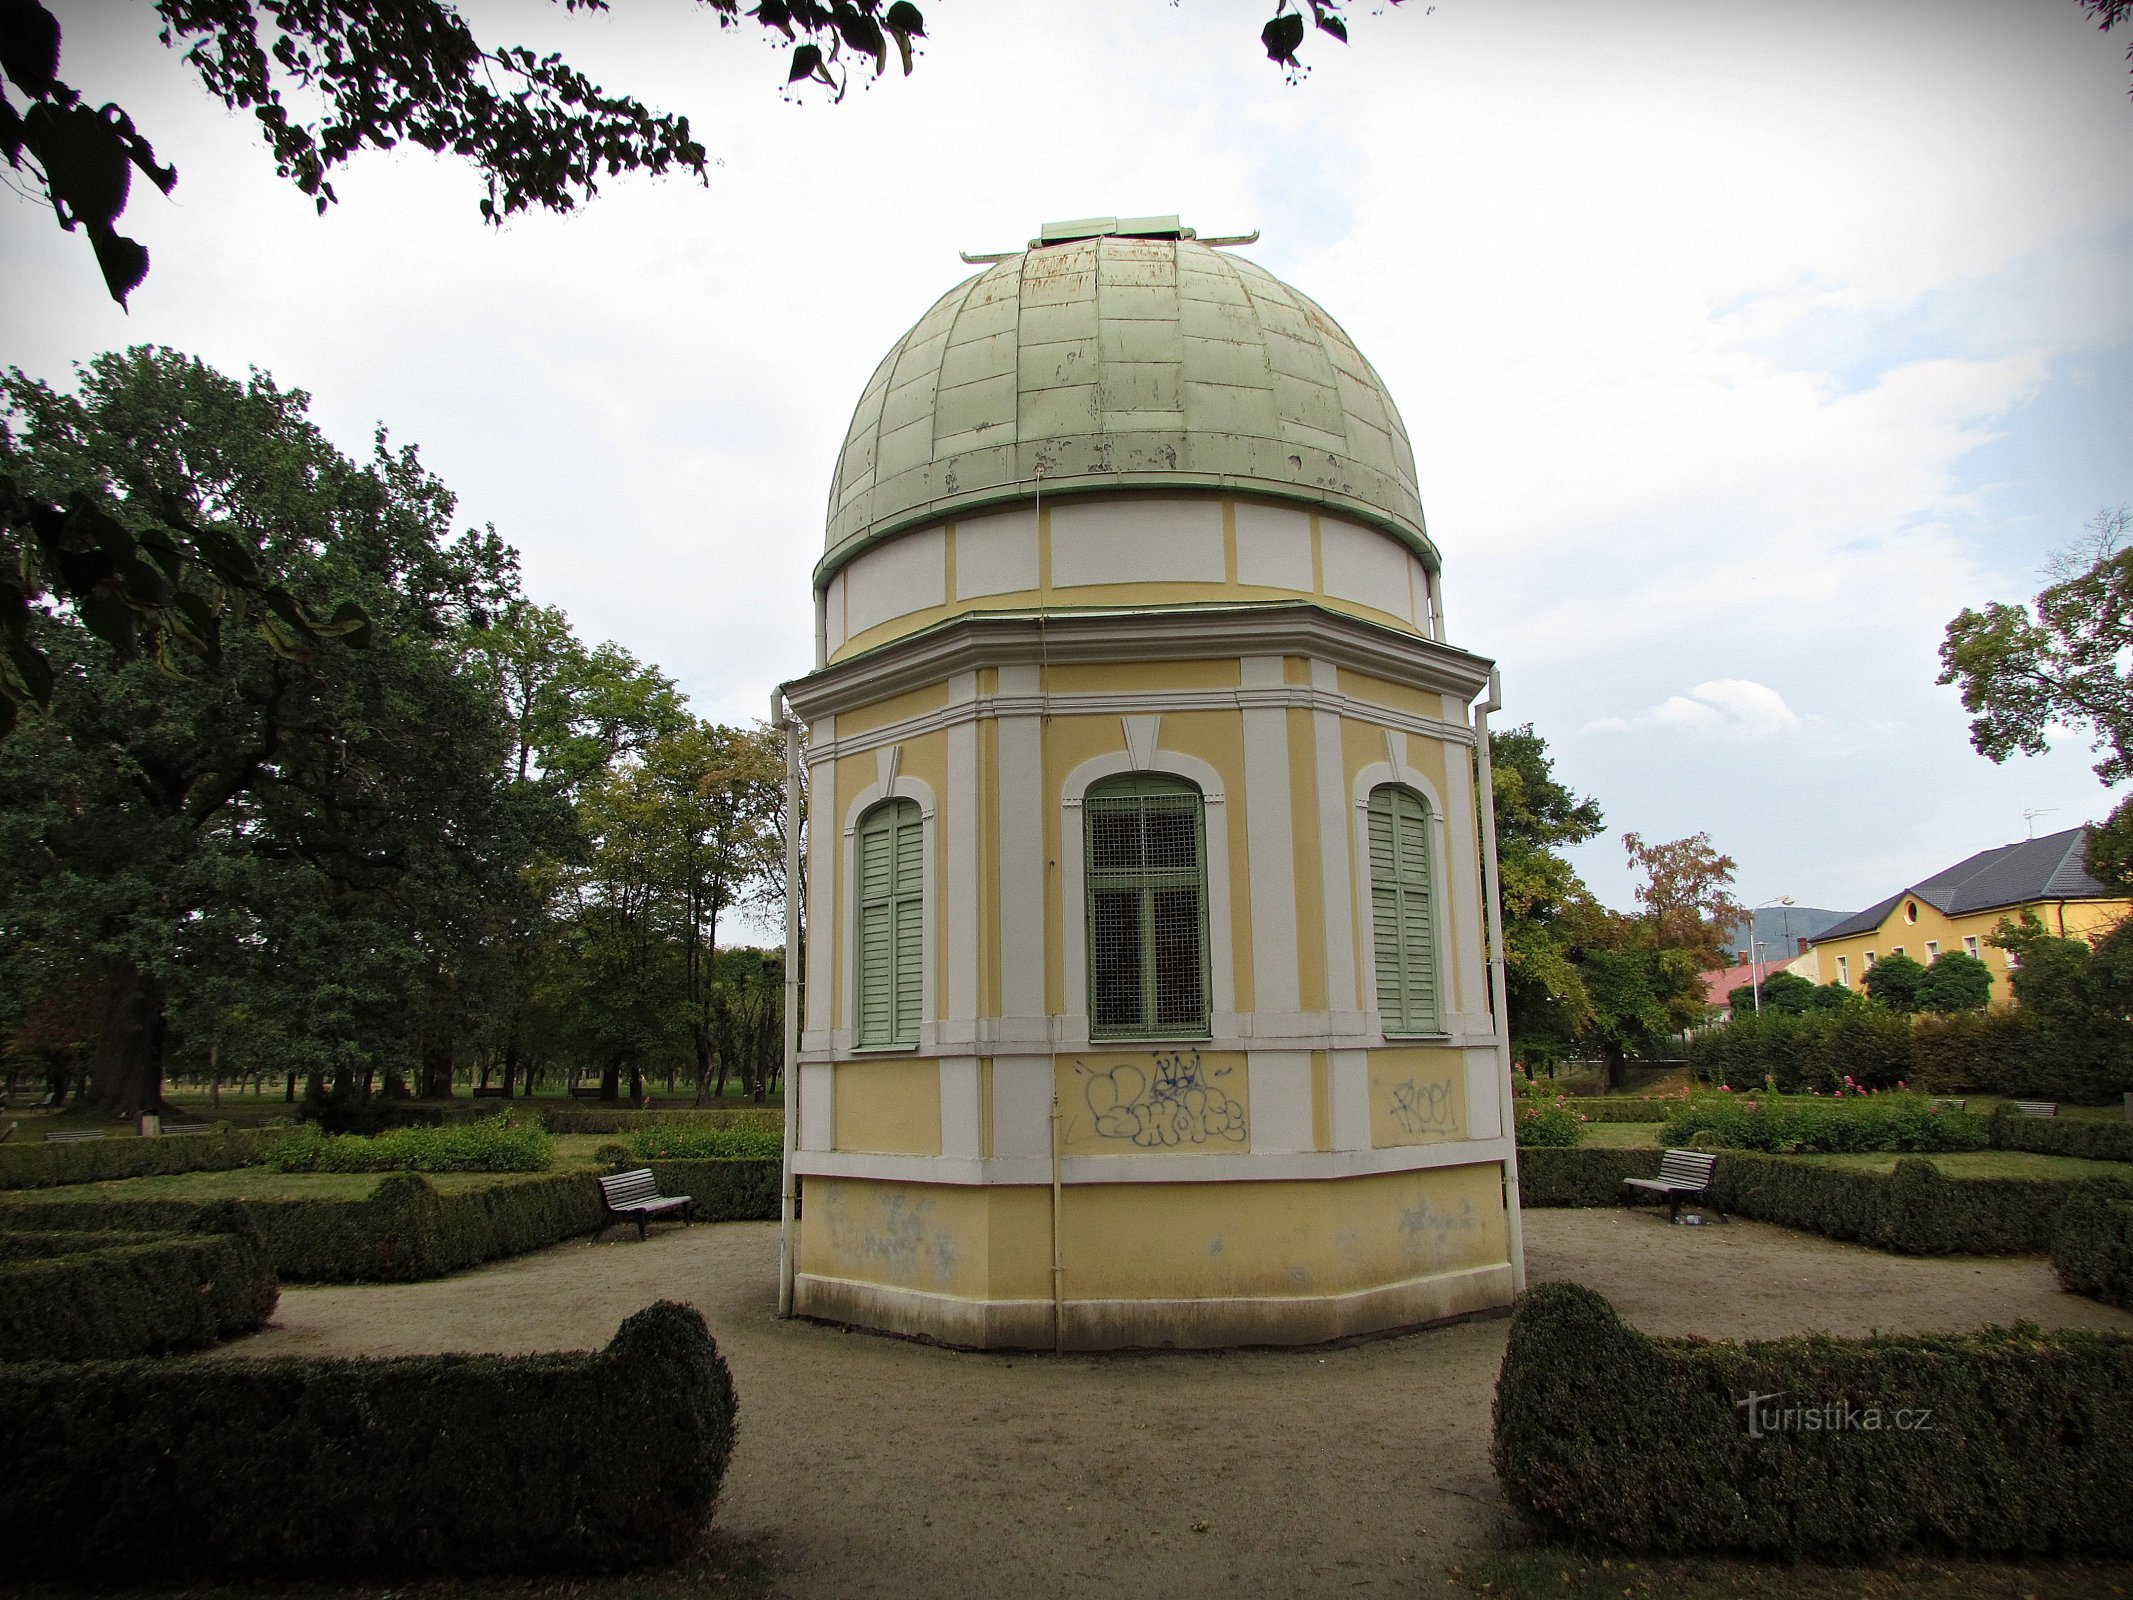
[{"x": 1107, "y": 363}]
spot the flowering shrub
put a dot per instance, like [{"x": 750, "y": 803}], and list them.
[
  {"x": 1850, "y": 1119},
  {"x": 1547, "y": 1121},
  {"x": 493, "y": 1144}
]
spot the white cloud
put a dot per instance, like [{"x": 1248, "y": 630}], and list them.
[{"x": 1724, "y": 708}]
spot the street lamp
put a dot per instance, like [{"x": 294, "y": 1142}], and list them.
[{"x": 1755, "y": 970}]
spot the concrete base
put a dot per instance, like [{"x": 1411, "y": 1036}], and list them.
[{"x": 1153, "y": 1324}]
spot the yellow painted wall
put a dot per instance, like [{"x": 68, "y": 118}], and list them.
[
  {"x": 1153, "y": 1100},
  {"x": 2079, "y": 919},
  {"x": 895, "y": 708},
  {"x": 1417, "y": 1096},
  {"x": 888, "y": 1105},
  {"x": 1111, "y": 677},
  {"x": 1397, "y": 696},
  {"x": 1164, "y": 1241}
]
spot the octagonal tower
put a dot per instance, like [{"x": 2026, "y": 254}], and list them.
[{"x": 1145, "y": 992}]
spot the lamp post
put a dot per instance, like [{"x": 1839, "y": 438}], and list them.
[{"x": 1755, "y": 970}]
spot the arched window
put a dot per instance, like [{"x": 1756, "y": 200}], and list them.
[
  {"x": 891, "y": 942},
  {"x": 1401, "y": 915},
  {"x": 1147, "y": 914}
]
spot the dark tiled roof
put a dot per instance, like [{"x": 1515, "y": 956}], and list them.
[{"x": 2051, "y": 868}]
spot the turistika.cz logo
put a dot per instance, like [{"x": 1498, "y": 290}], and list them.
[{"x": 1765, "y": 1416}]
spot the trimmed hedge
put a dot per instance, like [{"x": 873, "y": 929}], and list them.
[
  {"x": 720, "y": 1190},
  {"x": 2092, "y": 1245},
  {"x": 1588, "y": 1177},
  {"x": 1913, "y": 1211},
  {"x": 77, "y": 1295},
  {"x": 1818, "y": 1050},
  {"x": 1627, "y": 1108},
  {"x": 491, "y": 1144},
  {"x": 580, "y": 1461},
  {"x": 1786, "y": 1124},
  {"x": 1999, "y": 1442},
  {"x": 2062, "y": 1136},
  {"x": 404, "y": 1230},
  {"x": 46, "y": 1166},
  {"x": 576, "y": 1119}
]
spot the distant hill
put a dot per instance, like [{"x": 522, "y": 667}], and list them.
[{"x": 1780, "y": 928}]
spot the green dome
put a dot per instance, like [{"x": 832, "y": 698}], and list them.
[{"x": 1108, "y": 363}]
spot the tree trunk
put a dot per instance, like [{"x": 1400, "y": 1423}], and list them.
[
  {"x": 611, "y": 1080},
  {"x": 1612, "y": 1070},
  {"x": 126, "y": 1072},
  {"x": 511, "y": 1065},
  {"x": 436, "y": 1081}
]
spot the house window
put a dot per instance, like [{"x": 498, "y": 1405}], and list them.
[
  {"x": 1844, "y": 971},
  {"x": 1897, "y": 951},
  {"x": 1870, "y": 961},
  {"x": 1932, "y": 951},
  {"x": 1147, "y": 917},
  {"x": 1970, "y": 946},
  {"x": 1401, "y": 921},
  {"x": 891, "y": 925},
  {"x": 1910, "y": 914}
]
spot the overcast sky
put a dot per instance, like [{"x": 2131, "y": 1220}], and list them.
[{"x": 1741, "y": 344}]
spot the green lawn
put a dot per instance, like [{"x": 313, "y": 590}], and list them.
[{"x": 1621, "y": 1135}]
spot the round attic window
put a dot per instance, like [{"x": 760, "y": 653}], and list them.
[{"x": 1910, "y": 911}]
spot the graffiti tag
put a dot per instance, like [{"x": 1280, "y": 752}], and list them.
[{"x": 1178, "y": 1102}]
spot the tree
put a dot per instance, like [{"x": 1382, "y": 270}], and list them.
[
  {"x": 539, "y": 131},
  {"x": 1536, "y": 815},
  {"x": 324, "y": 824},
  {"x": 1956, "y": 981},
  {"x": 1685, "y": 895},
  {"x": 1833, "y": 997},
  {"x": 1781, "y": 991},
  {"x": 1894, "y": 982},
  {"x": 2064, "y": 660}
]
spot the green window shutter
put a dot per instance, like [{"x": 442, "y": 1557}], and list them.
[
  {"x": 891, "y": 938},
  {"x": 1401, "y": 922},
  {"x": 1145, "y": 865}
]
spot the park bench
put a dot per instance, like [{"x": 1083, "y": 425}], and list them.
[
  {"x": 585, "y": 1091},
  {"x": 490, "y": 1091},
  {"x": 168, "y": 1132},
  {"x": 635, "y": 1197},
  {"x": 2035, "y": 1108},
  {"x": 1942, "y": 1103},
  {"x": 73, "y": 1138},
  {"x": 1683, "y": 1175}
]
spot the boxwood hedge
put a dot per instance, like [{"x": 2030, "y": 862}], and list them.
[
  {"x": 431, "y": 1464},
  {"x": 720, "y": 1190},
  {"x": 2092, "y": 1242},
  {"x": 404, "y": 1230},
  {"x": 44, "y": 1166},
  {"x": 1915, "y": 1210},
  {"x": 1998, "y": 1442},
  {"x": 75, "y": 1295},
  {"x": 2062, "y": 1136}
]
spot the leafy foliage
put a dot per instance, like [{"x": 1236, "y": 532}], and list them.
[
  {"x": 493, "y": 1144},
  {"x": 708, "y": 1142},
  {"x": 1895, "y": 981},
  {"x": 541, "y": 1463},
  {"x": 1780, "y": 991},
  {"x": 1798, "y": 1124},
  {"x": 41, "y": 1166},
  {"x": 1542, "y": 1119},
  {"x": 2092, "y": 1246},
  {"x": 1956, "y": 981},
  {"x": 1815, "y": 1051}
]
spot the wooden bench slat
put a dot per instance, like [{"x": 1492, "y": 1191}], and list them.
[
  {"x": 1683, "y": 1175},
  {"x": 635, "y": 1197}
]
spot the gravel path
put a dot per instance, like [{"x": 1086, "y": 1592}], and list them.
[{"x": 880, "y": 1468}]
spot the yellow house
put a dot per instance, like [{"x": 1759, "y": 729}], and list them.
[
  {"x": 1146, "y": 1001},
  {"x": 1957, "y": 909}
]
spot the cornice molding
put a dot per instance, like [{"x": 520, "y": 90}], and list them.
[{"x": 1177, "y": 633}]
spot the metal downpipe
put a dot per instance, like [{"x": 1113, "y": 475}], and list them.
[
  {"x": 794, "y": 889},
  {"x": 1492, "y": 895}
]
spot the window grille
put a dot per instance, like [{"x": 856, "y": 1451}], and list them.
[
  {"x": 1400, "y": 910},
  {"x": 1147, "y": 917},
  {"x": 891, "y": 924}
]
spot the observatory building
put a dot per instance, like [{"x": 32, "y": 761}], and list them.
[{"x": 1145, "y": 994}]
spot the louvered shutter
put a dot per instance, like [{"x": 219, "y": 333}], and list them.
[
  {"x": 1402, "y": 927},
  {"x": 891, "y": 924}
]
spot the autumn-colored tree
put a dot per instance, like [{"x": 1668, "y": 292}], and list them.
[{"x": 1687, "y": 895}]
